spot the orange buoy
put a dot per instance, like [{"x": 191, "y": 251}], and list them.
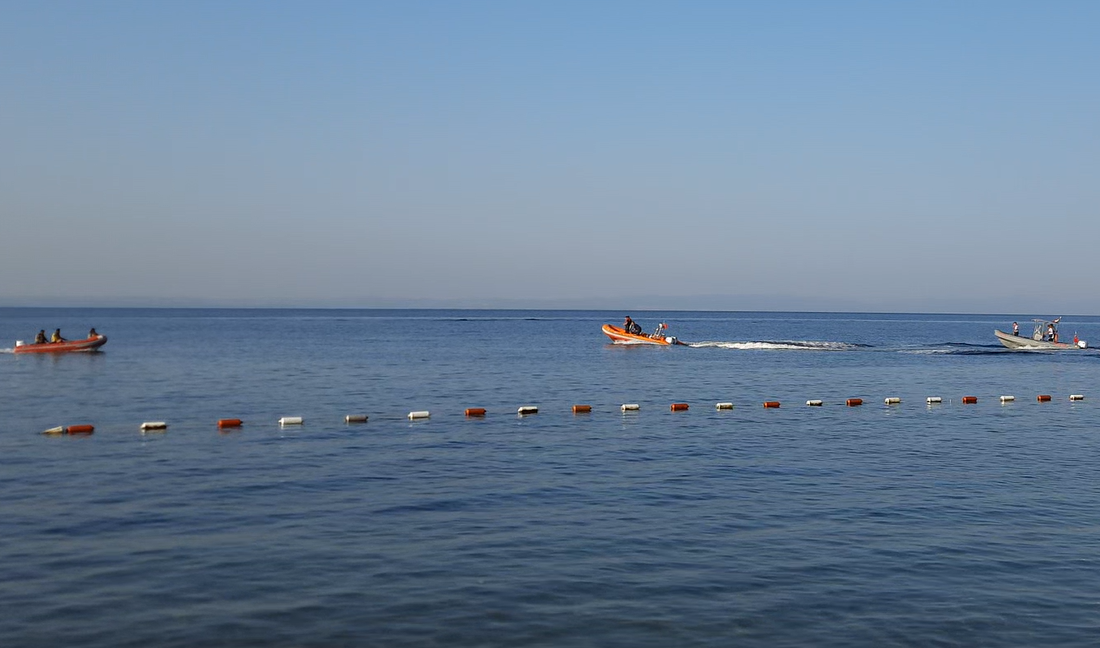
[
  {"x": 582, "y": 409},
  {"x": 80, "y": 429},
  {"x": 770, "y": 404},
  {"x": 229, "y": 423},
  {"x": 855, "y": 402},
  {"x": 1042, "y": 398},
  {"x": 970, "y": 400},
  {"x": 678, "y": 407},
  {"x": 475, "y": 411}
]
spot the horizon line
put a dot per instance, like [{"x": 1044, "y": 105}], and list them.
[{"x": 532, "y": 308}]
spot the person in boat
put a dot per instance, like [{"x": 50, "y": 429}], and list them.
[
  {"x": 41, "y": 337},
  {"x": 1052, "y": 335},
  {"x": 92, "y": 333},
  {"x": 630, "y": 326},
  {"x": 1015, "y": 329},
  {"x": 56, "y": 337}
]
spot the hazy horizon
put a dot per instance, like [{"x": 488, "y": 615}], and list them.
[{"x": 670, "y": 304}]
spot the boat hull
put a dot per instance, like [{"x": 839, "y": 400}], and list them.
[
  {"x": 1025, "y": 343},
  {"x": 620, "y": 336},
  {"x": 70, "y": 346}
]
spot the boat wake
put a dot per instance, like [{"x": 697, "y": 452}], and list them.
[
  {"x": 957, "y": 348},
  {"x": 779, "y": 345}
]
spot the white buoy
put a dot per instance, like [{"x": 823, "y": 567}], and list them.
[
  {"x": 153, "y": 425},
  {"x": 1007, "y": 399},
  {"x": 932, "y": 400},
  {"x": 355, "y": 418},
  {"x": 419, "y": 415},
  {"x": 893, "y": 400},
  {"x": 723, "y": 406},
  {"x": 1077, "y": 397},
  {"x": 527, "y": 409},
  {"x": 630, "y": 407},
  {"x": 815, "y": 403},
  {"x": 290, "y": 420}
]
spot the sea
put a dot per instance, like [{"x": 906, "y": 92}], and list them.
[{"x": 906, "y": 524}]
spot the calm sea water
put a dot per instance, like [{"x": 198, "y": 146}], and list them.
[{"x": 912, "y": 525}]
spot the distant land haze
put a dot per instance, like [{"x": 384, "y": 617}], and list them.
[{"x": 1013, "y": 306}]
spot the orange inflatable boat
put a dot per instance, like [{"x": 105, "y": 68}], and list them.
[
  {"x": 68, "y": 346},
  {"x": 620, "y": 336}
]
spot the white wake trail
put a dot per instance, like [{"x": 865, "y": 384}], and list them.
[{"x": 781, "y": 345}]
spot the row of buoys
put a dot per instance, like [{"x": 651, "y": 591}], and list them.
[{"x": 526, "y": 410}]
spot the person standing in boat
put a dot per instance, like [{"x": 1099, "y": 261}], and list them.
[
  {"x": 1015, "y": 329},
  {"x": 1052, "y": 335},
  {"x": 41, "y": 337},
  {"x": 630, "y": 326},
  {"x": 56, "y": 337}
]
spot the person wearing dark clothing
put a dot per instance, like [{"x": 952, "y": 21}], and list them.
[
  {"x": 41, "y": 337},
  {"x": 1015, "y": 328},
  {"x": 92, "y": 333},
  {"x": 630, "y": 326}
]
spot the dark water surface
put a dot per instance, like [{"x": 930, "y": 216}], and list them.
[{"x": 914, "y": 525}]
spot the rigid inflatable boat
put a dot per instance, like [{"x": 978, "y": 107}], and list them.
[
  {"x": 620, "y": 336},
  {"x": 68, "y": 346}
]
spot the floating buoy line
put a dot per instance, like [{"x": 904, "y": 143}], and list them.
[{"x": 528, "y": 410}]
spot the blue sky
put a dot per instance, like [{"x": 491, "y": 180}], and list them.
[{"x": 933, "y": 156}]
